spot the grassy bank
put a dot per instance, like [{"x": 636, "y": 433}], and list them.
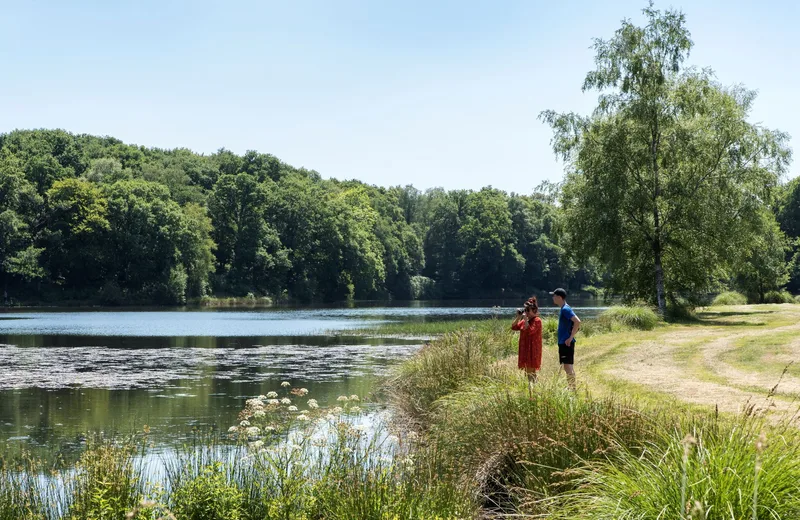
[
  {"x": 699, "y": 442},
  {"x": 472, "y": 439}
]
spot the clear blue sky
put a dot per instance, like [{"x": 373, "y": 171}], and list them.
[{"x": 430, "y": 93}]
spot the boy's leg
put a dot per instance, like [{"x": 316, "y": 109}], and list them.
[
  {"x": 570, "y": 371},
  {"x": 566, "y": 355}
]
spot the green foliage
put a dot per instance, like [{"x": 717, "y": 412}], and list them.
[
  {"x": 764, "y": 268},
  {"x": 93, "y": 219},
  {"x": 423, "y": 288},
  {"x": 721, "y": 470},
  {"x": 106, "y": 484},
  {"x": 779, "y": 297},
  {"x": 638, "y": 317},
  {"x": 730, "y": 298},
  {"x": 788, "y": 215},
  {"x": 667, "y": 177},
  {"x": 208, "y": 495}
]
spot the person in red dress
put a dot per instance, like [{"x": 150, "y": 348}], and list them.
[{"x": 529, "y": 325}]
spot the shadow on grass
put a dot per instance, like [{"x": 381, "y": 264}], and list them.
[
  {"x": 732, "y": 313},
  {"x": 708, "y": 319}
]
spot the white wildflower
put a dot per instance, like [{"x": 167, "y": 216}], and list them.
[
  {"x": 355, "y": 409},
  {"x": 244, "y": 424},
  {"x": 337, "y": 410},
  {"x": 286, "y": 400},
  {"x": 302, "y": 417},
  {"x": 259, "y": 414},
  {"x": 262, "y": 397},
  {"x": 292, "y": 408},
  {"x": 303, "y": 391},
  {"x": 271, "y": 395},
  {"x": 256, "y": 445},
  {"x": 312, "y": 403},
  {"x": 342, "y": 398},
  {"x": 330, "y": 417},
  {"x": 269, "y": 428},
  {"x": 354, "y": 397},
  {"x": 253, "y": 431},
  {"x": 233, "y": 429},
  {"x": 274, "y": 402},
  {"x": 412, "y": 436},
  {"x": 286, "y": 384}
]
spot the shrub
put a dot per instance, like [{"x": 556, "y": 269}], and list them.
[
  {"x": 106, "y": 483},
  {"x": 681, "y": 310},
  {"x": 730, "y": 298},
  {"x": 778, "y": 297},
  {"x": 722, "y": 470},
  {"x": 208, "y": 495},
  {"x": 423, "y": 288},
  {"x": 640, "y": 317},
  {"x": 797, "y": 299}
]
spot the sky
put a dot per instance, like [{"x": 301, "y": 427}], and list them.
[{"x": 430, "y": 93}]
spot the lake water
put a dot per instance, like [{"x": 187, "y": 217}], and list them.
[{"x": 66, "y": 373}]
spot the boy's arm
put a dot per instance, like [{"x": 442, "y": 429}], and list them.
[{"x": 576, "y": 326}]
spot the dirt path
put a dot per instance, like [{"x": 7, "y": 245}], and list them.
[{"x": 687, "y": 362}]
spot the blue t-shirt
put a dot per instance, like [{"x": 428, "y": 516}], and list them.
[{"x": 565, "y": 323}]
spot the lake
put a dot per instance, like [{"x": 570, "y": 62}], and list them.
[{"x": 68, "y": 372}]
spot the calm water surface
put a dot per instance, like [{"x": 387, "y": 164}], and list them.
[{"x": 66, "y": 373}]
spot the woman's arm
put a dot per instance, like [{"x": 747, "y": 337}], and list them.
[{"x": 519, "y": 321}]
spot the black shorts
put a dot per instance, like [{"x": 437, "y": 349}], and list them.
[{"x": 566, "y": 354}]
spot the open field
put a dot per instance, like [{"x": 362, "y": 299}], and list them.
[{"x": 731, "y": 358}]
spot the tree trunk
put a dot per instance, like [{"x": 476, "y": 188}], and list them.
[
  {"x": 660, "y": 293},
  {"x": 659, "y": 268}
]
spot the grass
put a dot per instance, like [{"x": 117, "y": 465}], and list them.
[
  {"x": 729, "y": 298},
  {"x": 517, "y": 445},
  {"x": 620, "y": 318},
  {"x": 721, "y": 469}
]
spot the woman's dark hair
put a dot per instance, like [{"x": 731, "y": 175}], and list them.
[{"x": 532, "y": 303}]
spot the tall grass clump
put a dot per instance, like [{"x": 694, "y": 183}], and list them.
[
  {"x": 520, "y": 446},
  {"x": 441, "y": 367},
  {"x": 206, "y": 494},
  {"x": 620, "y": 317},
  {"x": 722, "y": 470},
  {"x": 22, "y": 494},
  {"x": 106, "y": 482},
  {"x": 779, "y": 297},
  {"x": 729, "y": 298},
  {"x": 334, "y": 470}
]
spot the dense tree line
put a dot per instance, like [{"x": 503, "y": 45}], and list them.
[{"x": 93, "y": 219}]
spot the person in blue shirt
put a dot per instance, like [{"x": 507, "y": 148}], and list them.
[{"x": 568, "y": 325}]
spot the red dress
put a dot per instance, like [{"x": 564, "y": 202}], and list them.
[{"x": 530, "y": 344}]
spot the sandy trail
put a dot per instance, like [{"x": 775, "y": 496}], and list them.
[{"x": 704, "y": 378}]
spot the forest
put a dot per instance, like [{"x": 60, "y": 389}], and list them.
[
  {"x": 91, "y": 219},
  {"x": 94, "y": 220}
]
